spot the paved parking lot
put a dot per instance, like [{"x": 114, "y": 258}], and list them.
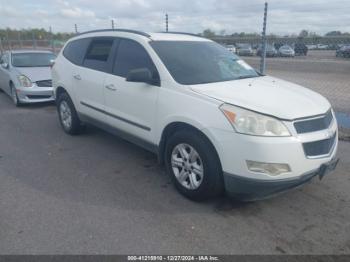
[
  {"x": 320, "y": 71},
  {"x": 96, "y": 194}
]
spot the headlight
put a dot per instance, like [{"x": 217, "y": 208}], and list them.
[
  {"x": 248, "y": 122},
  {"x": 24, "y": 81}
]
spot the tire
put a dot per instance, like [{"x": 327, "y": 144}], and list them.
[
  {"x": 68, "y": 115},
  {"x": 210, "y": 184},
  {"x": 14, "y": 96}
]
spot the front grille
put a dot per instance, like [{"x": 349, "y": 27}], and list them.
[
  {"x": 44, "y": 83},
  {"x": 313, "y": 125},
  {"x": 38, "y": 96},
  {"x": 319, "y": 148}
]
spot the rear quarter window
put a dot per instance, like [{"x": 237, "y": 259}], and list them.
[{"x": 75, "y": 50}]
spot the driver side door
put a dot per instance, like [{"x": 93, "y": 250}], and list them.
[
  {"x": 131, "y": 107},
  {"x": 5, "y": 73}
]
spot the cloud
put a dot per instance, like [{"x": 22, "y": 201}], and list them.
[
  {"x": 77, "y": 13},
  {"x": 193, "y": 16}
]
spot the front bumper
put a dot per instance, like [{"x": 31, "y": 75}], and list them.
[
  {"x": 35, "y": 94},
  {"x": 255, "y": 189},
  {"x": 235, "y": 150}
]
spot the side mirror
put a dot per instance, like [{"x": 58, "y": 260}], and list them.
[
  {"x": 5, "y": 65},
  {"x": 142, "y": 75}
]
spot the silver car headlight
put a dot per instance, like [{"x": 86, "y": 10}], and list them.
[
  {"x": 251, "y": 123},
  {"x": 24, "y": 81}
]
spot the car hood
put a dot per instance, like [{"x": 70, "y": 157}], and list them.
[
  {"x": 35, "y": 73},
  {"x": 268, "y": 95}
]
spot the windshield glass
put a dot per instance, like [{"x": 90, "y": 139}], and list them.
[
  {"x": 32, "y": 59},
  {"x": 199, "y": 62}
]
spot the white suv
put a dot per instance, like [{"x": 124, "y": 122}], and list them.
[{"x": 215, "y": 123}]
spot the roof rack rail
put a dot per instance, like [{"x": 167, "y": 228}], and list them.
[
  {"x": 181, "y": 33},
  {"x": 116, "y": 30}
]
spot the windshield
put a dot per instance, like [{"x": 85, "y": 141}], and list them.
[
  {"x": 32, "y": 59},
  {"x": 199, "y": 62}
]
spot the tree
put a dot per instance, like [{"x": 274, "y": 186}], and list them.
[
  {"x": 208, "y": 33},
  {"x": 333, "y": 33},
  {"x": 304, "y": 33}
]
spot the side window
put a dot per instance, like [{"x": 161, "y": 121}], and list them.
[
  {"x": 131, "y": 55},
  {"x": 4, "y": 59},
  {"x": 75, "y": 50},
  {"x": 99, "y": 54}
]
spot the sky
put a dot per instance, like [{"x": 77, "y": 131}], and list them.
[{"x": 284, "y": 16}]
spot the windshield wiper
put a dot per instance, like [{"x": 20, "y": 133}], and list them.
[{"x": 245, "y": 77}]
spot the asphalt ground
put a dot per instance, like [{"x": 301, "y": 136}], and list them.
[{"x": 98, "y": 194}]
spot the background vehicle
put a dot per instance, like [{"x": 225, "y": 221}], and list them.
[
  {"x": 26, "y": 76},
  {"x": 344, "y": 51},
  {"x": 321, "y": 46},
  {"x": 286, "y": 51},
  {"x": 211, "y": 118},
  {"x": 245, "y": 50},
  {"x": 270, "y": 51},
  {"x": 231, "y": 48},
  {"x": 300, "y": 49}
]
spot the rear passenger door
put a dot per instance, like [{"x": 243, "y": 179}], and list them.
[
  {"x": 131, "y": 106},
  {"x": 90, "y": 77}
]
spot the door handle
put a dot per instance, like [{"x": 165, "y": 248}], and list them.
[
  {"x": 111, "y": 87},
  {"x": 77, "y": 77}
]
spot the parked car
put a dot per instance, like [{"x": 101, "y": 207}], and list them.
[
  {"x": 231, "y": 48},
  {"x": 311, "y": 47},
  {"x": 245, "y": 50},
  {"x": 270, "y": 51},
  {"x": 300, "y": 49},
  {"x": 212, "y": 120},
  {"x": 321, "y": 46},
  {"x": 286, "y": 51},
  {"x": 344, "y": 51},
  {"x": 25, "y": 75}
]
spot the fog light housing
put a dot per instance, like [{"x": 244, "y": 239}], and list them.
[{"x": 268, "y": 168}]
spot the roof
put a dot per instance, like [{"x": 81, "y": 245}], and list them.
[
  {"x": 21, "y": 51},
  {"x": 176, "y": 37},
  {"x": 163, "y": 36}
]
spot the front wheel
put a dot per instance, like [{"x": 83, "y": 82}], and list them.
[
  {"x": 68, "y": 116},
  {"x": 14, "y": 96},
  {"x": 194, "y": 166}
]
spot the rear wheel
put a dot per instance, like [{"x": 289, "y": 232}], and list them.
[
  {"x": 68, "y": 116},
  {"x": 193, "y": 164}
]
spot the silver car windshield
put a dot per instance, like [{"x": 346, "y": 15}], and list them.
[
  {"x": 201, "y": 62},
  {"x": 32, "y": 59}
]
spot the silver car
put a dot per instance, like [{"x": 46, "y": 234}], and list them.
[
  {"x": 286, "y": 51},
  {"x": 26, "y": 76}
]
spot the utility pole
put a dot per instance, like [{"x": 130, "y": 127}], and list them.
[
  {"x": 19, "y": 39},
  {"x": 51, "y": 40},
  {"x": 263, "y": 39},
  {"x": 113, "y": 24},
  {"x": 9, "y": 45},
  {"x": 76, "y": 28},
  {"x": 166, "y": 23},
  {"x": 33, "y": 39}
]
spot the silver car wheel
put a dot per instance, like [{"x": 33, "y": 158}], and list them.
[
  {"x": 66, "y": 115},
  {"x": 187, "y": 166}
]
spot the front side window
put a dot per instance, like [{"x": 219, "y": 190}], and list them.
[
  {"x": 201, "y": 62},
  {"x": 99, "y": 54},
  {"x": 32, "y": 59},
  {"x": 131, "y": 55}
]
